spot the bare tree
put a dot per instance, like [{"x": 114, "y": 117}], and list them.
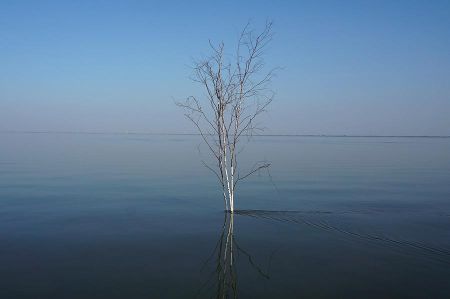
[{"x": 237, "y": 91}]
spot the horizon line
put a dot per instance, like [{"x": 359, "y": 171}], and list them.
[{"x": 197, "y": 134}]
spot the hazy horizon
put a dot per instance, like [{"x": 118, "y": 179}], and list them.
[
  {"x": 353, "y": 68},
  {"x": 124, "y": 132}
]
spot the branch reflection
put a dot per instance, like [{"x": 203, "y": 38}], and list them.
[{"x": 223, "y": 282}]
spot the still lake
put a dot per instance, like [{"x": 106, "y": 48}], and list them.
[{"x": 138, "y": 216}]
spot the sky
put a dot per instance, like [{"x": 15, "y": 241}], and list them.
[{"x": 348, "y": 67}]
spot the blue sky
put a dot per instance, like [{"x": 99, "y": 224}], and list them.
[{"x": 349, "y": 67}]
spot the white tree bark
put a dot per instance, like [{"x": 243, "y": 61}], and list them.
[{"x": 236, "y": 93}]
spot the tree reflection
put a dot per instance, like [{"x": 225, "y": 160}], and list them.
[{"x": 223, "y": 282}]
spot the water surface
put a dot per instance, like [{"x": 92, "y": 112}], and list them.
[{"x": 138, "y": 216}]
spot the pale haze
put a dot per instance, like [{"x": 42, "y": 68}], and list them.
[{"x": 357, "y": 68}]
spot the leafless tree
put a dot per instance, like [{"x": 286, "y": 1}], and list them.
[{"x": 237, "y": 91}]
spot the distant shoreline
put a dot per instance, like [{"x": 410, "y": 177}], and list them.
[{"x": 195, "y": 134}]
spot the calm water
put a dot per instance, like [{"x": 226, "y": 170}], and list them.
[{"x": 135, "y": 216}]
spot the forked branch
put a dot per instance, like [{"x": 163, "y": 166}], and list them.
[{"x": 237, "y": 92}]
